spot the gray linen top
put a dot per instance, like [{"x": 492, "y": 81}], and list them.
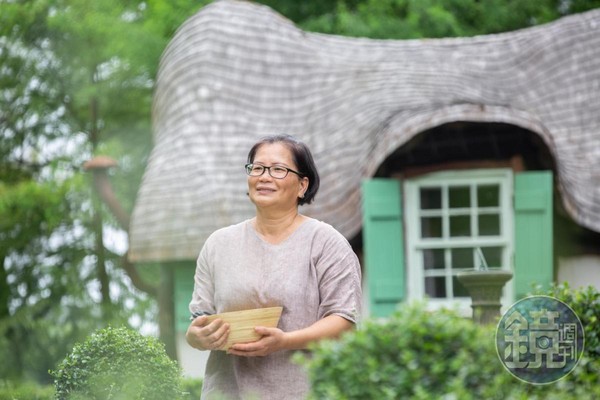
[{"x": 312, "y": 274}]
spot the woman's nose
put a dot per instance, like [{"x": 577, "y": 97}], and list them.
[{"x": 265, "y": 176}]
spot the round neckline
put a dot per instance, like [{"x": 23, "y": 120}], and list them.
[{"x": 289, "y": 237}]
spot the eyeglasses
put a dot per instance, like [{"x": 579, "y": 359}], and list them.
[{"x": 276, "y": 171}]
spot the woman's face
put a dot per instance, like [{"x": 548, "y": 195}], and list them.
[{"x": 266, "y": 191}]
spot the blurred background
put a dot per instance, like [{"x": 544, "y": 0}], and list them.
[{"x": 76, "y": 82}]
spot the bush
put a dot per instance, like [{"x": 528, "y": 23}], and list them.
[
  {"x": 25, "y": 391},
  {"x": 192, "y": 387},
  {"x": 421, "y": 355},
  {"x": 117, "y": 363},
  {"x": 585, "y": 301}
]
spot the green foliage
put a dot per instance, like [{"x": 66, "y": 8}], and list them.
[
  {"x": 75, "y": 77},
  {"x": 422, "y": 355},
  {"x": 585, "y": 302},
  {"x": 192, "y": 387},
  {"x": 118, "y": 363},
  {"x": 35, "y": 273},
  {"x": 413, "y": 19},
  {"x": 25, "y": 391},
  {"x": 44, "y": 303},
  {"x": 30, "y": 209},
  {"x": 412, "y": 354}
]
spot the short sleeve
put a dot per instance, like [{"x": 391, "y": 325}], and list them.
[
  {"x": 339, "y": 277},
  {"x": 203, "y": 294}
]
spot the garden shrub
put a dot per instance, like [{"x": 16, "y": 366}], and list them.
[
  {"x": 419, "y": 354},
  {"x": 585, "y": 301},
  {"x": 117, "y": 364}
]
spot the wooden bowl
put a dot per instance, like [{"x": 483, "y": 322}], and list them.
[{"x": 242, "y": 323}]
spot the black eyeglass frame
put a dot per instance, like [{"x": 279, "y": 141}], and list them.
[{"x": 264, "y": 167}]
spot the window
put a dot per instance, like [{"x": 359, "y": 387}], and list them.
[{"x": 451, "y": 219}]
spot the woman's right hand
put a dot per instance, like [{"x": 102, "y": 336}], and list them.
[{"x": 205, "y": 335}]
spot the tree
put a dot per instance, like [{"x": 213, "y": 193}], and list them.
[
  {"x": 32, "y": 208},
  {"x": 76, "y": 80},
  {"x": 414, "y": 19}
]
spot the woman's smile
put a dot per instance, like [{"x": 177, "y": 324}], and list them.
[
  {"x": 265, "y": 190},
  {"x": 275, "y": 194}
]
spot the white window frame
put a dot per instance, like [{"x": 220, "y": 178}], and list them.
[{"x": 415, "y": 244}]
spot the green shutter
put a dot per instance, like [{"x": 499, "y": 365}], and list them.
[
  {"x": 533, "y": 231},
  {"x": 383, "y": 244},
  {"x": 184, "y": 286}
]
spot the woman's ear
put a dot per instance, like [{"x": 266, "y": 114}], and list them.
[{"x": 303, "y": 187}]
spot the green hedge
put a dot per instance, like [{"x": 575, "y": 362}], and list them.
[
  {"x": 115, "y": 364},
  {"x": 585, "y": 302},
  {"x": 419, "y": 354}
]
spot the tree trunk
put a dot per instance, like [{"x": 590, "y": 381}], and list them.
[
  {"x": 101, "y": 258},
  {"x": 97, "y": 223},
  {"x": 166, "y": 323},
  {"x": 4, "y": 289},
  {"x": 14, "y": 355}
]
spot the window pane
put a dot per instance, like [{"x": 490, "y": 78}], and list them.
[
  {"x": 489, "y": 224},
  {"x": 433, "y": 259},
  {"x": 431, "y": 227},
  {"x": 462, "y": 258},
  {"x": 458, "y": 197},
  {"x": 458, "y": 290},
  {"x": 493, "y": 256},
  {"x": 435, "y": 286},
  {"x": 488, "y": 196},
  {"x": 431, "y": 198},
  {"x": 460, "y": 225}
]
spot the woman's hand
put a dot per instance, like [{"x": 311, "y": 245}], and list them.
[
  {"x": 203, "y": 335},
  {"x": 273, "y": 339}
]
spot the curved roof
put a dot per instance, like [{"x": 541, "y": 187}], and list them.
[{"x": 237, "y": 71}]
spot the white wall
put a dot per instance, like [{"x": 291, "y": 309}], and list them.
[{"x": 579, "y": 271}]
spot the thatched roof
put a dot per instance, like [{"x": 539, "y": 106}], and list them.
[{"x": 237, "y": 71}]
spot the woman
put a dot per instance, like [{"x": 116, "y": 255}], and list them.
[{"x": 277, "y": 258}]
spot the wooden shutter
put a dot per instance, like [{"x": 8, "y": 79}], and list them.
[
  {"x": 533, "y": 231},
  {"x": 184, "y": 286},
  {"x": 383, "y": 244}
]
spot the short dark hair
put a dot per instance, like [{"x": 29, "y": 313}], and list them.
[{"x": 301, "y": 156}]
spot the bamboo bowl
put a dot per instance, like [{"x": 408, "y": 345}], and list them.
[{"x": 242, "y": 323}]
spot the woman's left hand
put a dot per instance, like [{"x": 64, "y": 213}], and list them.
[{"x": 272, "y": 340}]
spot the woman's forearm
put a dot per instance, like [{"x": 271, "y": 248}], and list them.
[{"x": 329, "y": 327}]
